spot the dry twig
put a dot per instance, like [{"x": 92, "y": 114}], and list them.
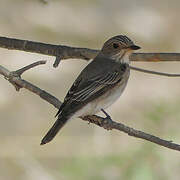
[
  {"x": 15, "y": 78},
  {"x": 67, "y": 52},
  {"x": 154, "y": 72}
]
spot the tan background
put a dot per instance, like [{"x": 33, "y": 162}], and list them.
[{"x": 81, "y": 151}]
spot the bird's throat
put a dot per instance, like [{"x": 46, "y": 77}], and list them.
[
  {"x": 125, "y": 58},
  {"x": 122, "y": 57}
]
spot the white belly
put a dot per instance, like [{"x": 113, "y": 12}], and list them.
[{"x": 102, "y": 102}]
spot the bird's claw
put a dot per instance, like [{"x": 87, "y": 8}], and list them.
[{"x": 107, "y": 121}]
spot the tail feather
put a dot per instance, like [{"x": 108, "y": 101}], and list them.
[{"x": 60, "y": 122}]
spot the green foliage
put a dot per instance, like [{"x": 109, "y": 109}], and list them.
[{"x": 136, "y": 164}]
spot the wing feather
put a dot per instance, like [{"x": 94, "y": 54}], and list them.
[{"x": 95, "y": 85}]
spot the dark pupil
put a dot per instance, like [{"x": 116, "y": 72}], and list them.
[{"x": 115, "y": 45}]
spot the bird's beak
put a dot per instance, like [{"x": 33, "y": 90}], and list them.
[{"x": 134, "y": 47}]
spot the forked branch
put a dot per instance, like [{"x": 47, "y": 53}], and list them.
[{"x": 16, "y": 80}]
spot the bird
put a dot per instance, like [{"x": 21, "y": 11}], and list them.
[{"x": 98, "y": 85}]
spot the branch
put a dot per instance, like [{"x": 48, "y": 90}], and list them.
[
  {"x": 154, "y": 72},
  {"x": 19, "y": 72},
  {"x": 130, "y": 131},
  {"x": 14, "y": 78},
  {"x": 18, "y": 82},
  {"x": 66, "y": 52}
]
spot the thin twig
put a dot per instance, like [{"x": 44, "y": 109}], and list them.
[
  {"x": 154, "y": 72},
  {"x": 131, "y": 132},
  {"x": 3, "y": 71},
  {"x": 14, "y": 79},
  {"x": 19, "y": 72},
  {"x": 93, "y": 119},
  {"x": 57, "y": 61}
]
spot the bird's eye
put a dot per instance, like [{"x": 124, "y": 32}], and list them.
[{"x": 115, "y": 45}]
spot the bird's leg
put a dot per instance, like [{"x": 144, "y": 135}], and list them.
[
  {"x": 107, "y": 115},
  {"x": 106, "y": 121}
]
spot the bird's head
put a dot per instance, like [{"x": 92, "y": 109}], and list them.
[{"x": 119, "y": 48}]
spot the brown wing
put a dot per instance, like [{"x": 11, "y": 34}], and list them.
[
  {"x": 69, "y": 94},
  {"x": 94, "y": 85},
  {"x": 83, "y": 91}
]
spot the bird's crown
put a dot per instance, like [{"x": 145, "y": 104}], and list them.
[{"x": 117, "y": 43}]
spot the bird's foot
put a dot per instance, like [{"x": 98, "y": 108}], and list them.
[{"x": 107, "y": 121}]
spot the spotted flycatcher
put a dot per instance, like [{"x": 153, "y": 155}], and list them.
[{"x": 99, "y": 84}]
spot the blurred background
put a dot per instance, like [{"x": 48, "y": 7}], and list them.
[{"x": 81, "y": 151}]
